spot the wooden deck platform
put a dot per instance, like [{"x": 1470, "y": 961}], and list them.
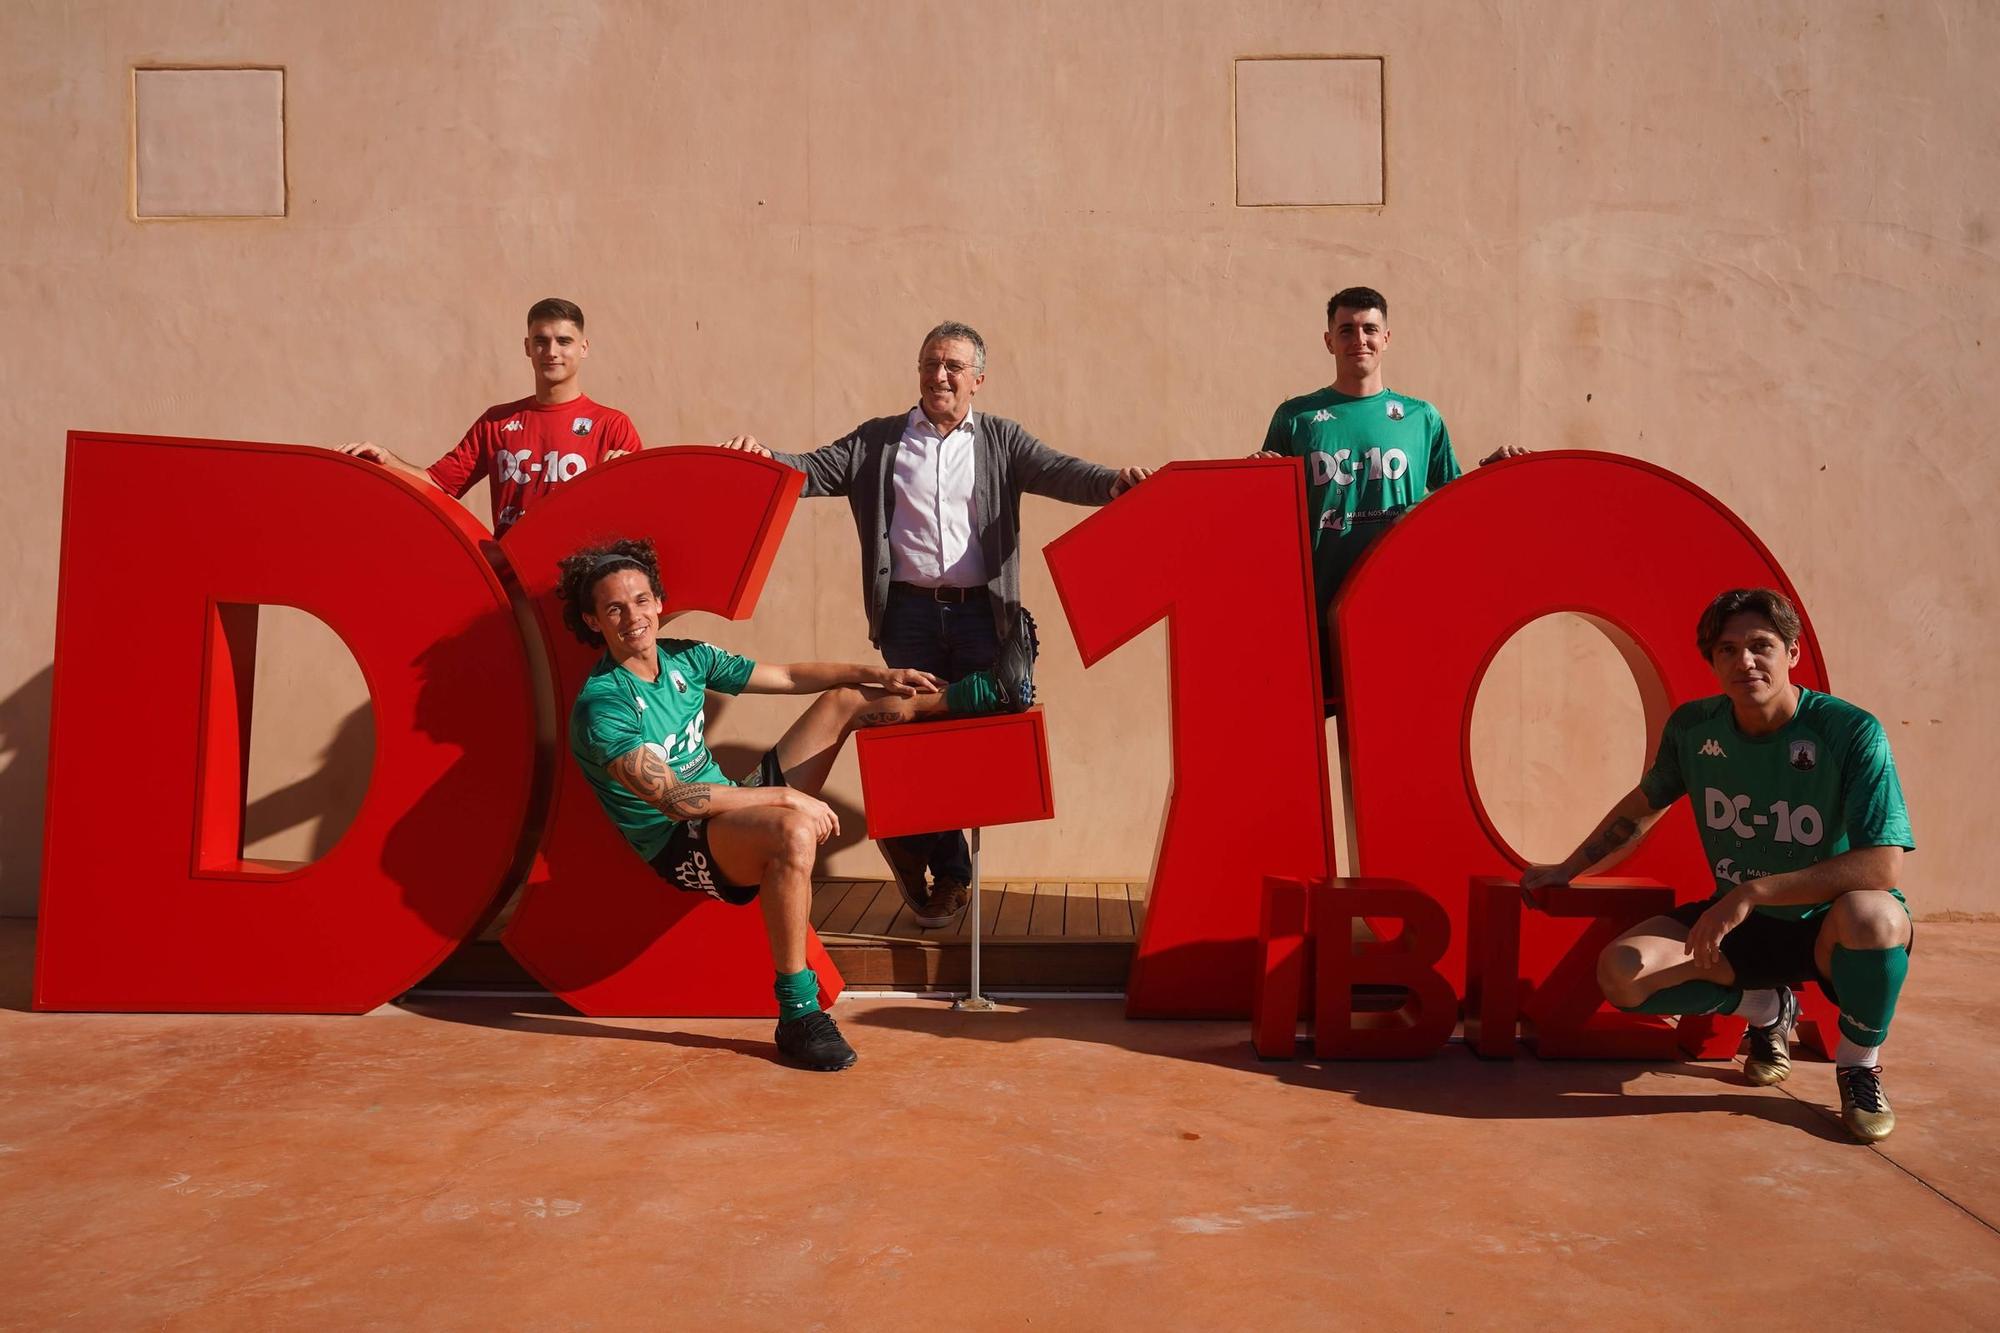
[
  {"x": 1036, "y": 935},
  {"x": 1013, "y": 910}
]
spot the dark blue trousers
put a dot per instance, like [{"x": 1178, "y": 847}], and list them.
[{"x": 950, "y": 640}]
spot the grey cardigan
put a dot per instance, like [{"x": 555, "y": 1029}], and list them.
[{"x": 1006, "y": 461}]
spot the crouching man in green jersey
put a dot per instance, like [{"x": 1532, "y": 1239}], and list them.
[
  {"x": 1802, "y": 818},
  {"x": 637, "y": 731}
]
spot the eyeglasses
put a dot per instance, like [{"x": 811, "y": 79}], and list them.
[{"x": 952, "y": 368}]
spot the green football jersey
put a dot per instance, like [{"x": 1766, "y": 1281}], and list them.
[
  {"x": 1367, "y": 461},
  {"x": 1819, "y": 785},
  {"x": 616, "y": 713}
]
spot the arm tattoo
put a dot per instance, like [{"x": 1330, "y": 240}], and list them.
[
  {"x": 645, "y": 774},
  {"x": 1613, "y": 836},
  {"x": 878, "y": 719}
]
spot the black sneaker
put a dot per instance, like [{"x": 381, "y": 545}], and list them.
[
  {"x": 813, "y": 1040},
  {"x": 1014, "y": 670},
  {"x": 1008, "y": 686},
  {"x": 908, "y": 869},
  {"x": 1770, "y": 1057},
  {"x": 1864, "y": 1107}
]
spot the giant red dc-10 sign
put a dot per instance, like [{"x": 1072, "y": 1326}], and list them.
[{"x": 148, "y": 904}]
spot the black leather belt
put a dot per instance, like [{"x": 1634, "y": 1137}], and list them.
[{"x": 940, "y": 594}]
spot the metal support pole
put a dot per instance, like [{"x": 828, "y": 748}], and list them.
[{"x": 974, "y": 1000}]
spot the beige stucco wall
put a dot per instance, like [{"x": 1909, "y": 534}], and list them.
[{"x": 1751, "y": 242}]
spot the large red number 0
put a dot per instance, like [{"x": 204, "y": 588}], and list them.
[
  {"x": 1627, "y": 545},
  {"x": 596, "y": 925},
  {"x": 1250, "y": 796}
]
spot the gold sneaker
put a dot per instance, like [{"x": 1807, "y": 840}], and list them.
[
  {"x": 1864, "y": 1108},
  {"x": 1770, "y": 1058}
]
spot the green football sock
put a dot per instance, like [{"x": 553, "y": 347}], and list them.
[
  {"x": 798, "y": 994},
  {"x": 1869, "y": 980},
  {"x": 975, "y": 694},
  {"x": 1690, "y": 997}
]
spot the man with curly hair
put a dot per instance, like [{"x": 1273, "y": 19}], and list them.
[{"x": 637, "y": 729}]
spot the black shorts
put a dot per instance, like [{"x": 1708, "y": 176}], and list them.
[
  {"x": 1769, "y": 951},
  {"x": 686, "y": 863}
]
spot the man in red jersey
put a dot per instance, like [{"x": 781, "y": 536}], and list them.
[{"x": 525, "y": 448}]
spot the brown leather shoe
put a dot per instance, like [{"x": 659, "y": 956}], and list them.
[{"x": 948, "y": 898}]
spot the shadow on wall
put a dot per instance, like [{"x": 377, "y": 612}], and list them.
[
  {"x": 24, "y": 774},
  {"x": 330, "y": 795}
]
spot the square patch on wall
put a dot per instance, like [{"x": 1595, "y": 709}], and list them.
[
  {"x": 1309, "y": 130},
  {"x": 208, "y": 143}
]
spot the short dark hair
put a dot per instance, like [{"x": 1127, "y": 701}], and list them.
[
  {"x": 1769, "y": 603},
  {"x": 950, "y": 329},
  {"x": 554, "y": 307},
  {"x": 580, "y": 572},
  {"x": 1357, "y": 298}
]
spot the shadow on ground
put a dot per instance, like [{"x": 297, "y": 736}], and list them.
[
  {"x": 1454, "y": 1083},
  {"x": 548, "y": 1016}
]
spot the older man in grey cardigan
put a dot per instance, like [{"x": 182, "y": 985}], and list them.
[{"x": 936, "y": 494}]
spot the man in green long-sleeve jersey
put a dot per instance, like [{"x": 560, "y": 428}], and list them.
[{"x": 1803, "y": 823}]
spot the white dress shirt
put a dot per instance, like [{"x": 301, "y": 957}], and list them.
[{"x": 931, "y": 541}]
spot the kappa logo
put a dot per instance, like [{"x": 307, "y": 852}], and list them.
[
  {"x": 1804, "y": 755},
  {"x": 580, "y": 426},
  {"x": 1395, "y": 410},
  {"x": 1712, "y": 748},
  {"x": 515, "y": 424},
  {"x": 1321, "y": 415}
]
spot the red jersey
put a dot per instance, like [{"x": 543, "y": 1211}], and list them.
[{"x": 524, "y": 448}]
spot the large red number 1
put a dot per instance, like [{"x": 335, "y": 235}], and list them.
[{"x": 1218, "y": 549}]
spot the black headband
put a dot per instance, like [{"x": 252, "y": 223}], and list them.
[{"x": 597, "y": 570}]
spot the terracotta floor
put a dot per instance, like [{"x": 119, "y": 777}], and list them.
[{"x": 471, "y": 1166}]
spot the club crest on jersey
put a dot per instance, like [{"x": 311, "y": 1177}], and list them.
[
  {"x": 580, "y": 426},
  {"x": 1804, "y": 755},
  {"x": 1394, "y": 409},
  {"x": 680, "y": 681},
  {"x": 1713, "y": 749}
]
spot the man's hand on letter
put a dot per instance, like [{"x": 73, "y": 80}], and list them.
[
  {"x": 1536, "y": 881},
  {"x": 746, "y": 444},
  {"x": 1127, "y": 478},
  {"x": 1506, "y": 451}
]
